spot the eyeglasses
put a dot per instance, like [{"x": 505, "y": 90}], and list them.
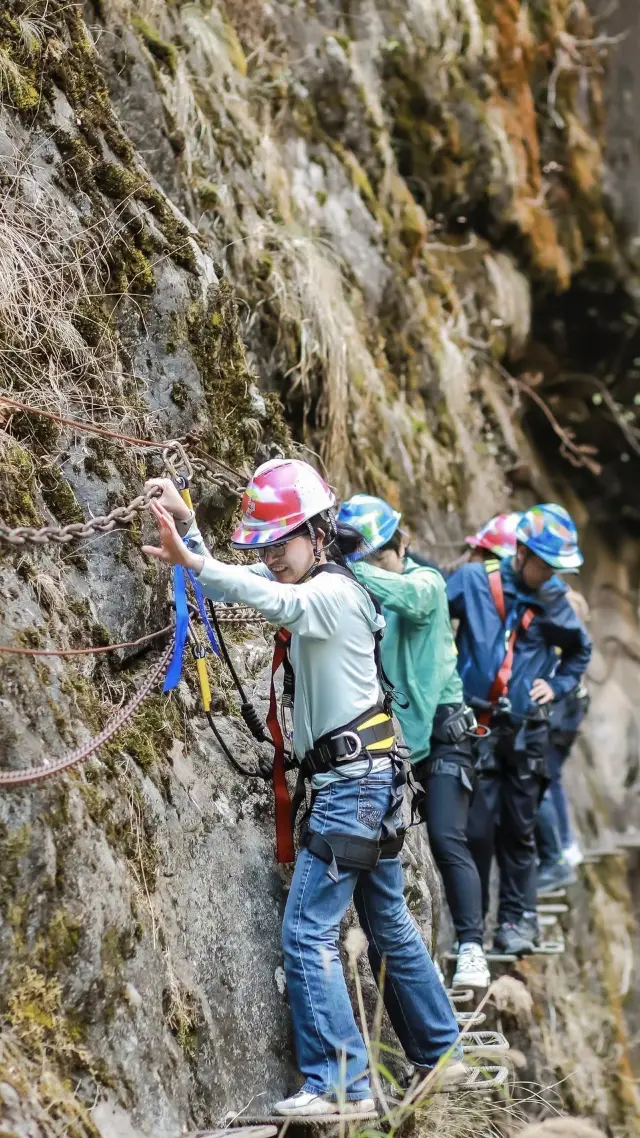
[{"x": 275, "y": 550}]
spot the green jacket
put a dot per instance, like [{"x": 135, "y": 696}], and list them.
[{"x": 418, "y": 649}]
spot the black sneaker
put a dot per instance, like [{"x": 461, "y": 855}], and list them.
[
  {"x": 555, "y": 876},
  {"x": 529, "y": 926},
  {"x": 511, "y": 940}
]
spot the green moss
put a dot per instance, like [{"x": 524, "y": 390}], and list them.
[
  {"x": 180, "y": 394},
  {"x": 164, "y": 52},
  {"x": 14, "y": 845},
  {"x": 60, "y": 942},
  {"x": 150, "y": 733},
  {"x": 17, "y": 487},
  {"x": 115, "y": 180},
  {"x": 96, "y": 461},
  {"x": 208, "y": 195},
  {"x": 59, "y": 497}
]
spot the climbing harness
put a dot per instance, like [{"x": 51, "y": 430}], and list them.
[{"x": 369, "y": 736}]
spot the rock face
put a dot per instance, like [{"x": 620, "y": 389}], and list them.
[{"x": 369, "y": 231}]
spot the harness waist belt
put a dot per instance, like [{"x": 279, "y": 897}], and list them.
[
  {"x": 451, "y": 724},
  {"x": 371, "y": 734},
  {"x": 348, "y": 851}
]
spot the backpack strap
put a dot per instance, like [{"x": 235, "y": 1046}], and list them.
[
  {"x": 495, "y": 584},
  {"x": 386, "y": 686}
]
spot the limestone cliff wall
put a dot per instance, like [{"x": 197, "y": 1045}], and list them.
[{"x": 366, "y": 231}]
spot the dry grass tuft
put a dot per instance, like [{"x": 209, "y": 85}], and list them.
[
  {"x": 561, "y": 1128},
  {"x": 511, "y": 996}
]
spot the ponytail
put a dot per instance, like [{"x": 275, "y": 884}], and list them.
[{"x": 343, "y": 543}]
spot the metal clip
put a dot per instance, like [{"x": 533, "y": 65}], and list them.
[
  {"x": 286, "y": 717},
  {"x": 350, "y": 735}
]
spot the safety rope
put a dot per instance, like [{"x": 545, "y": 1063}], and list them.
[
  {"x": 52, "y": 767},
  {"x": 11, "y": 651},
  {"x": 222, "y": 614}
]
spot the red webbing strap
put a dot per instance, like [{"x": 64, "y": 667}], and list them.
[
  {"x": 495, "y": 584},
  {"x": 284, "y": 835},
  {"x": 500, "y": 685}
]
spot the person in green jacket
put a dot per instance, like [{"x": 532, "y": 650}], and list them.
[{"x": 420, "y": 659}]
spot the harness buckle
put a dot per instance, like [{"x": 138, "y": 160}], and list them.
[
  {"x": 286, "y": 717},
  {"x": 350, "y": 736}
]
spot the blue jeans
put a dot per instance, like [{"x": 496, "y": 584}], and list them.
[{"x": 331, "y": 1052}]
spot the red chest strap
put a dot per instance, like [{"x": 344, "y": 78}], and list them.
[
  {"x": 284, "y": 835},
  {"x": 500, "y": 685}
]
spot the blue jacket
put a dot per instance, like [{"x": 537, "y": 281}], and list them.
[{"x": 481, "y": 635}]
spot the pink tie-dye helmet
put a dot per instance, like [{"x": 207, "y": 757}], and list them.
[
  {"x": 498, "y": 535},
  {"x": 282, "y": 495}
]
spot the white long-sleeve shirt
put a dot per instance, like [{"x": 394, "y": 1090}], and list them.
[{"x": 332, "y": 621}]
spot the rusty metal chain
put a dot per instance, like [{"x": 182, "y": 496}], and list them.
[
  {"x": 238, "y": 614},
  {"x": 104, "y": 523},
  {"x": 220, "y": 478},
  {"x": 52, "y": 767}
]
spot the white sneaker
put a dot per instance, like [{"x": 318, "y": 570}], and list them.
[
  {"x": 307, "y": 1105},
  {"x": 472, "y": 970},
  {"x": 573, "y": 854}
]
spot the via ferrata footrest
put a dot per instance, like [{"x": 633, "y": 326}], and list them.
[
  {"x": 555, "y": 909},
  {"x": 323, "y": 1123},
  {"x": 461, "y": 995},
  {"x": 474, "y": 1041},
  {"x": 551, "y": 948},
  {"x": 545, "y": 920},
  {"x": 482, "y": 1079},
  {"x": 552, "y": 894},
  {"x": 496, "y": 957},
  {"x": 470, "y": 1019}
]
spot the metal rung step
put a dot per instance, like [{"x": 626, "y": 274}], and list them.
[
  {"x": 628, "y": 842},
  {"x": 241, "y": 1129},
  {"x": 484, "y": 1078},
  {"x": 545, "y": 920},
  {"x": 322, "y": 1122},
  {"x": 470, "y": 1019},
  {"x": 557, "y": 909},
  {"x": 551, "y": 948},
  {"x": 552, "y": 894},
  {"x": 491, "y": 957},
  {"x": 597, "y": 854},
  {"x": 461, "y": 995},
  {"x": 481, "y": 1078},
  {"x": 474, "y": 1041}
]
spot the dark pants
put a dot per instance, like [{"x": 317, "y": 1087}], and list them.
[
  {"x": 445, "y": 810},
  {"x": 561, "y": 744},
  {"x": 503, "y": 814}
]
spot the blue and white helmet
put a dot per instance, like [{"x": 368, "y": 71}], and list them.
[{"x": 374, "y": 518}]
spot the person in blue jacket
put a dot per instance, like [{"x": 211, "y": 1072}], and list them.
[{"x": 550, "y": 652}]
